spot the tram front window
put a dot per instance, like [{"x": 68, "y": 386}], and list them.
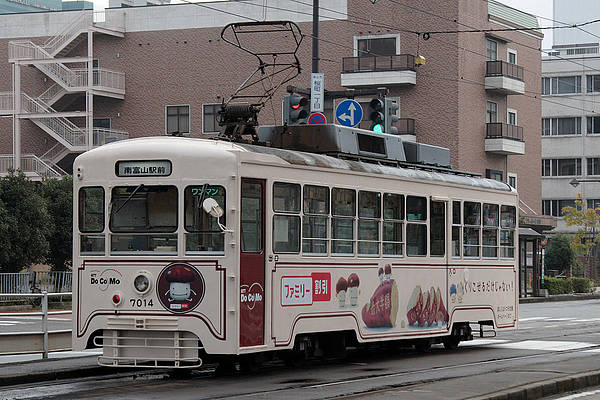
[
  {"x": 203, "y": 232},
  {"x": 143, "y": 218}
]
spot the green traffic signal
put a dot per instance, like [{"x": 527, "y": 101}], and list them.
[{"x": 377, "y": 128}]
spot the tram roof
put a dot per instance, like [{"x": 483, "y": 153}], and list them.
[
  {"x": 325, "y": 161},
  {"x": 157, "y": 146}
]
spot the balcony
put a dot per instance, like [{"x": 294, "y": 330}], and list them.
[
  {"x": 504, "y": 78},
  {"x": 501, "y": 138},
  {"x": 379, "y": 70}
]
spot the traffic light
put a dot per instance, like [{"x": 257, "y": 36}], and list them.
[
  {"x": 295, "y": 110},
  {"x": 376, "y": 114},
  {"x": 390, "y": 117}
]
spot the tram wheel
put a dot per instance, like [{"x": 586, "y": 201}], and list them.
[{"x": 451, "y": 343}]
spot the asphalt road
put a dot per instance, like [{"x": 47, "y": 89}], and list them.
[
  {"x": 555, "y": 339},
  {"x": 19, "y": 323}
]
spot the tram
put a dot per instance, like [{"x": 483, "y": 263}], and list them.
[{"x": 187, "y": 250}]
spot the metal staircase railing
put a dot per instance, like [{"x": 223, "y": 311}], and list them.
[
  {"x": 6, "y": 103},
  {"x": 30, "y": 163},
  {"x": 60, "y": 126},
  {"x": 104, "y": 136},
  {"x": 54, "y": 155},
  {"x": 52, "y": 94},
  {"x": 58, "y": 42}
]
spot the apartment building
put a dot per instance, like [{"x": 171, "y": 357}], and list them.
[{"x": 571, "y": 113}]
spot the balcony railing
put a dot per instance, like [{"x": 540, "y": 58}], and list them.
[
  {"x": 406, "y": 126},
  {"x": 502, "y": 68},
  {"x": 400, "y": 62},
  {"x": 500, "y": 130}
]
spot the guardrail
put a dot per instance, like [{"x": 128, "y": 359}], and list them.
[{"x": 36, "y": 342}]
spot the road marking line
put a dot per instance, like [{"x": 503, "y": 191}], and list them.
[
  {"x": 532, "y": 319},
  {"x": 578, "y": 395},
  {"x": 545, "y": 345}
]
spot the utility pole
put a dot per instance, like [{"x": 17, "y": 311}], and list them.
[{"x": 315, "y": 37}]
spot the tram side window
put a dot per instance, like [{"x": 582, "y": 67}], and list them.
[
  {"x": 252, "y": 216},
  {"x": 91, "y": 220},
  {"x": 203, "y": 232},
  {"x": 315, "y": 220},
  {"x": 286, "y": 221},
  {"x": 369, "y": 216},
  {"x": 416, "y": 226},
  {"x": 393, "y": 217},
  {"x": 507, "y": 231},
  {"x": 437, "y": 228},
  {"x": 490, "y": 230},
  {"x": 343, "y": 210},
  {"x": 456, "y": 228},
  {"x": 472, "y": 229},
  {"x": 144, "y": 218}
]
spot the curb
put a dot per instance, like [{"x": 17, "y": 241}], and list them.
[
  {"x": 560, "y": 297},
  {"x": 82, "y": 372},
  {"x": 546, "y": 388}
]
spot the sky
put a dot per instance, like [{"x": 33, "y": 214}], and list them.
[{"x": 540, "y": 8}]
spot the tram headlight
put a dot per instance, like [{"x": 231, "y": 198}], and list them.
[{"x": 142, "y": 283}]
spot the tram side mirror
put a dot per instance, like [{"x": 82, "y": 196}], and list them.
[{"x": 211, "y": 207}]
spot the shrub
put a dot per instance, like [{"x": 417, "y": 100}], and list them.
[
  {"x": 582, "y": 285},
  {"x": 568, "y": 285}
]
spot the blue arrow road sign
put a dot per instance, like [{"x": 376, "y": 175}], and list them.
[{"x": 349, "y": 113}]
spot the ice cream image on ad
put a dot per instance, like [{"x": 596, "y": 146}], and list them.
[
  {"x": 353, "y": 283},
  {"x": 340, "y": 291}
]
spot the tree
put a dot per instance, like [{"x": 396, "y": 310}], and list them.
[
  {"x": 559, "y": 254},
  {"x": 586, "y": 238},
  {"x": 58, "y": 194},
  {"x": 24, "y": 223}
]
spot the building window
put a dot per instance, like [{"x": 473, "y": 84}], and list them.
[
  {"x": 494, "y": 174},
  {"x": 210, "y": 113},
  {"x": 593, "y": 203},
  {"x": 593, "y": 125},
  {"x": 511, "y": 117},
  {"x": 593, "y": 166},
  {"x": 561, "y": 85},
  {"x": 512, "y": 180},
  {"x": 491, "y": 50},
  {"x": 492, "y": 112},
  {"x": 593, "y": 83},
  {"x": 102, "y": 123},
  {"x": 512, "y": 56},
  {"x": 555, "y": 207},
  {"x": 377, "y": 45},
  {"x": 561, "y": 126},
  {"x": 561, "y": 167},
  {"x": 178, "y": 120}
]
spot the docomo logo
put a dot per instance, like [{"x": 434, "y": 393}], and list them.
[
  {"x": 251, "y": 294},
  {"x": 105, "y": 278}
]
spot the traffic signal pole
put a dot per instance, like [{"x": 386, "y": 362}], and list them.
[{"x": 315, "y": 37}]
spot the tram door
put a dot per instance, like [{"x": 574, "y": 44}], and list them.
[
  {"x": 252, "y": 263},
  {"x": 439, "y": 247}
]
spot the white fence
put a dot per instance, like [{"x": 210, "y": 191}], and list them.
[
  {"x": 34, "y": 282},
  {"x": 41, "y": 341}
]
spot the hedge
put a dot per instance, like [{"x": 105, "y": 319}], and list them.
[{"x": 568, "y": 285}]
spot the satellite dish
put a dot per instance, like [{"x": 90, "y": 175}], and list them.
[{"x": 211, "y": 207}]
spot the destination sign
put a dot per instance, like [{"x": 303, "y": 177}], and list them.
[{"x": 144, "y": 168}]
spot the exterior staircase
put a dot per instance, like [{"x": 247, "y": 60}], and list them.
[{"x": 52, "y": 59}]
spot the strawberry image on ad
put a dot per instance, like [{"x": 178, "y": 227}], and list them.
[
  {"x": 382, "y": 309},
  {"x": 426, "y": 308}
]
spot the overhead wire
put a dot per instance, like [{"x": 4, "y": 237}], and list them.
[{"x": 335, "y": 43}]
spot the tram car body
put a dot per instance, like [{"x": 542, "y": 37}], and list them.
[{"x": 185, "y": 249}]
